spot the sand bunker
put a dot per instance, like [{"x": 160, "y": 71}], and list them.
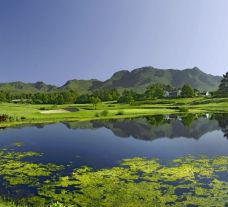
[{"x": 57, "y": 111}]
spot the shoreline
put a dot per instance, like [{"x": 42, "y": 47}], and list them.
[{"x": 33, "y": 114}]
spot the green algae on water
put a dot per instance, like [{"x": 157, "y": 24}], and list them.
[
  {"x": 135, "y": 182},
  {"x": 144, "y": 182}
]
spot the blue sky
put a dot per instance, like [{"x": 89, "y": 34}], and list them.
[{"x": 57, "y": 40}]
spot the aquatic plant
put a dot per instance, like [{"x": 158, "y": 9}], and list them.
[
  {"x": 186, "y": 181},
  {"x": 15, "y": 171},
  {"x": 18, "y": 144}
]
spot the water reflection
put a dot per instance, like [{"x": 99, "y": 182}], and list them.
[
  {"x": 154, "y": 127},
  {"x": 223, "y": 122},
  {"x": 103, "y": 143},
  {"x": 159, "y": 126}
]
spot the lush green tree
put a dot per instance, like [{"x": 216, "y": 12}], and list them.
[
  {"x": 155, "y": 91},
  {"x": 60, "y": 97},
  {"x": 128, "y": 96},
  {"x": 83, "y": 99},
  {"x": 223, "y": 87},
  {"x": 187, "y": 91},
  {"x": 3, "y": 96},
  {"x": 168, "y": 88},
  {"x": 115, "y": 94},
  {"x": 95, "y": 100},
  {"x": 69, "y": 96},
  {"x": 107, "y": 94},
  {"x": 139, "y": 97}
]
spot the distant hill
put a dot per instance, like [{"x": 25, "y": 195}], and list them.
[
  {"x": 137, "y": 80},
  {"x": 20, "y": 87},
  {"x": 81, "y": 86}
]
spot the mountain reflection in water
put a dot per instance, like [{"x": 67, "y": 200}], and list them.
[{"x": 159, "y": 126}]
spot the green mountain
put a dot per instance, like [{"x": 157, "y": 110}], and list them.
[
  {"x": 81, "y": 86},
  {"x": 137, "y": 80},
  {"x": 20, "y": 87},
  {"x": 140, "y": 78}
]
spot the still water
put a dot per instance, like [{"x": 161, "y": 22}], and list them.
[{"x": 104, "y": 144}]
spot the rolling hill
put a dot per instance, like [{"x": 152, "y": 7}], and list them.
[
  {"x": 21, "y": 87},
  {"x": 137, "y": 80},
  {"x": 81, "y": 86}
]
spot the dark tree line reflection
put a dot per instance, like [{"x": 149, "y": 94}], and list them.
[
  {"x": 160, "y": 126},
  {"x": 157, "y": 126},
  {"x": 223, "y": 122}
]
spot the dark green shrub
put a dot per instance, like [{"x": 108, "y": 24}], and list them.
[
  {"x": 183, "y": 109},
  {"x": 97, "y": 115},
  {"x": 120, "y": 113},
  {"x": 104, "y": 113}
]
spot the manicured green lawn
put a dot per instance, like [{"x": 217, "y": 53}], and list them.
[{"x": 28, "y": 113}]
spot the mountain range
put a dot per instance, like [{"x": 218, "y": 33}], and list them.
[{"x": 137, "y": 79}]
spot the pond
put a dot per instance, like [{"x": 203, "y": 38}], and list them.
[{"x": 172, "y": 160}]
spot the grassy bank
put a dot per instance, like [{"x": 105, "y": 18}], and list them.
[{"x": 28, "y": 113}]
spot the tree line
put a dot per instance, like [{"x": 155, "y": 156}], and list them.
[
  {"x": 39, "y": 98},
  {"x": 223, "y": 87},
  {"x": 69, "y": 97},
  {"x": 153, "y": 91}
]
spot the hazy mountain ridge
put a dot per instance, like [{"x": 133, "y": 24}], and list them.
[
  {"x": 19, "y": 86},
  {"x": 137, "y": 79}
]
